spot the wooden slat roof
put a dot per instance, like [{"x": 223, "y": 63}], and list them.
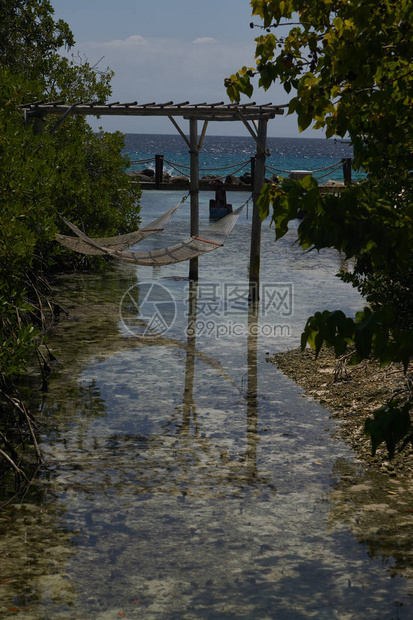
[{"x": 202, "y": 111}]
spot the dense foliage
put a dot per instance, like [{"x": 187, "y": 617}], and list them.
[
  {"x": 72, "y": 171},
  {"x": 347, "y": 66}
]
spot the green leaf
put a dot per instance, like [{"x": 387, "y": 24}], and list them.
[{"x": 389, "y": 425}]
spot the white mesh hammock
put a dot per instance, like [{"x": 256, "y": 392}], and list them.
[
  {"x": 98, "y": 246},
  {"x": 214, "y": 237}
]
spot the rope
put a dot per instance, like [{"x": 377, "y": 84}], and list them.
[
  {"x": 177, "y": 169},
  {"x": 242, "y": 164},
  {"x": 87, "y": 245},
  {"x": 215, "y": 237},
  {"x": 222, "y": 177},
  {"x": 221, "y": 226},
  {"x": 337, "y": 164},
  {"x": 142, "y": 161},
  {"x": 173, "y": 164},
  {"x": 272, "y": 169},
  {"x": 237, "y": 170},
  {"x": 327, "y": 173},
  {"x": 180, "y": 167},
  {"x": 331, "y": 167}
]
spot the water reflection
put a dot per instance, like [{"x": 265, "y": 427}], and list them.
[
  {"x": 252, "y": 395},
  {"x": 174, "y": 489},
  {"x": 378, "y": 510},
  {"x": 188, "y": 405}
]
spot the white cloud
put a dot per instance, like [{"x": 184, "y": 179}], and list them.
[
  {"x": 170, "y": 69},
  {"x": 203, "y": 40},
  {"x": 161, "y": 69},
  {"x": 130, "y": 42}
]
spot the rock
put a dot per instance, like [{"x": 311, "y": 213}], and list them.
[
  {"x": 179, "y": 180},
  {"x": 148, "y": 172},
  {"x": 143, "y": 177},
  {"x": 211, "y": 177},
  {"x": 231, "y": 180},
  {"x": 246, "y": 178}
]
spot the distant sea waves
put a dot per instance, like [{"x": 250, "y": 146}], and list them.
[{"x": 219, "y": 152}]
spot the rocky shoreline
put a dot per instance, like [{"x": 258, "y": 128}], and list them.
[
  {"x": 351, "y": 393},
  {"x": 147, "y": 180},
  {"x": 148, "y": 176}
]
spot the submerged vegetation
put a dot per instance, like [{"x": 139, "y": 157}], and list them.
[
  {"x": 45, "y": 174},
  {"x": 348, "y": 69}
]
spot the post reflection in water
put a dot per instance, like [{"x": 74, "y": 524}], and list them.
[
  {"x": 252, "y": 387},
  {"x": 188, "y": 405},
  {"x": 158, "y": 502},
  {"x": 188, "y": 409}
]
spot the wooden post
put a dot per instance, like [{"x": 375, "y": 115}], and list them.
[
  {"x": 38, "y": 125},
  {"x": 158, "y": 170},
  {"x": 252, "y": 171},
  {"x": 347, "y": 170},
  {"x": 194, "y": 192},
  {"x": 259, "y": 177}
]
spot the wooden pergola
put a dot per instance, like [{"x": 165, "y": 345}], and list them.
[{"x": 254, "y": 117}]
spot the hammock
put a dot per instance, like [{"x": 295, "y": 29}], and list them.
[
  {"x": 185, "y": 250},
  {"x": 98, "y": 246}
]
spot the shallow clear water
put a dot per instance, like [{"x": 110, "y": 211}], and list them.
[{"x": 185, "y": 476}]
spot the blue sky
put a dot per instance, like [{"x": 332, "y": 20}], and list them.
[{"x": 163, "y": 50}]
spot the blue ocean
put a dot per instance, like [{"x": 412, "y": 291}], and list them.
[{"x": 231, "y": 155}]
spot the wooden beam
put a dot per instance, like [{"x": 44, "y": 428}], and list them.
[
  {"x": 175, "y": 124},
  {"x": 200, "y": 111},
  {"x": 252, "y": 132},
  {"x": 62, "y": 118},
  {"x": 201, "y": 139}
]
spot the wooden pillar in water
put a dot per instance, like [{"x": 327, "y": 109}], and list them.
[
  {"x": 194, "y": 192},
  {"x": 347, "y": 170},
  {"x": 259, "y": 177},
  {"x": 252, "y": 164},
  {"x": 158, "y": 170}
]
